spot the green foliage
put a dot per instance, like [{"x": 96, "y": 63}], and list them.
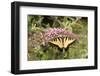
[{"x": 38, "y": 50}]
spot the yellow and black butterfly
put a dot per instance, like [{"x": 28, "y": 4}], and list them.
[{"x": 62, "y": 42}]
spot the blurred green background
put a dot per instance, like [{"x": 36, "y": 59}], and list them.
[{"x": 38, "y": 50}]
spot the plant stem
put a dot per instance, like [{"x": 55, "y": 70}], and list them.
[
  {"x": 67, "y": 54},
  {"x": 63, "y": 52}
]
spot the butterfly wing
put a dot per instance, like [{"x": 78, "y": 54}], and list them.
[
  {"x": 62, "y": 42},
  {"x": 58, "y": 42},
  {"x": 67, "y": 41}
]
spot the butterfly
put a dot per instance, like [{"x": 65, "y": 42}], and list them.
[{"x": 62, "y": 42}]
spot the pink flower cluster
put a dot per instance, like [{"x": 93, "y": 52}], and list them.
[{"x": 52, "y": 33}]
